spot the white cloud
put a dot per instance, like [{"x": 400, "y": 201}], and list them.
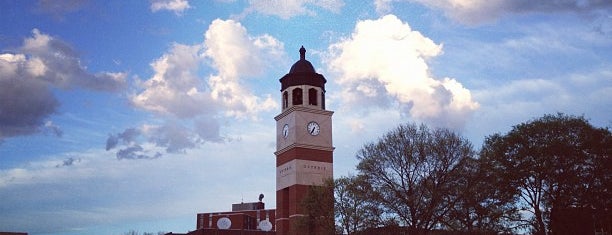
[
  {"x": 175, "y": 88},
  {"x": 289, "y": 8},
  {"x": 384, "y": 62},
  {"x": 178, "y": 90},
  {"x": 236, "y": 56},
  {"x": 177, "y": 6}
]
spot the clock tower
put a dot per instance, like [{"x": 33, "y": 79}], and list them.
[{"x": 304, "y": 150}]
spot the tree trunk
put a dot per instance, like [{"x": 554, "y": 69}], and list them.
[{"x": 540, "y": 227}]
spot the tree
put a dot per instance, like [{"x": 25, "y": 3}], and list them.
[
  {"x": 318, "y": 208},
  {"x": 411, "y": 170},
  {"x": 134, "y": 232},
  {"x": 353, "y": 208},
  {"x": 556, "y": 161},
  {"x": 485, "y": 200}
]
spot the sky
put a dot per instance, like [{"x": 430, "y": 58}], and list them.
[{"x": 137, "y": 115}]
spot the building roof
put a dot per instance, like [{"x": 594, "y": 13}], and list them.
[
  {"x": 302, "y": 65},
  {"x": 302, "y": 73}
]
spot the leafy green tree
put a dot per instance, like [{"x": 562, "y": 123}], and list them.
[
  {"x": 412, "y": 173},
  {"x": 555, "y": 161}
]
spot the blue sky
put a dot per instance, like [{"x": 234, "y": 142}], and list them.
[{"x": 136, "y": 115}]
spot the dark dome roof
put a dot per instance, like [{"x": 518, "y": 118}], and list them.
[
  {"x": 302, "y": 73},
  {"x": 302, "y": 65}
]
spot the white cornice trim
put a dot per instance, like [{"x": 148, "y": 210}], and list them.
[
  {"x": 303, "y": 109},
  {"x": 279, "y": 152}
]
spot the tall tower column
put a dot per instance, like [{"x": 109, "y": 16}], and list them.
[{"x": 304, "y": 150}]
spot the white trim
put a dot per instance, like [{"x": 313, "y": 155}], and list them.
[{"x": 297, "y": 215}]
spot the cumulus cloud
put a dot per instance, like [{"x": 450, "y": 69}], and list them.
[
  {"x": 177, "y": 6},
  {"x": 178, "y": 90},
  {"x": 235, "y": 54},
  {"x": 55, "y": 62},
  {"x": 384, "y": 62},
  {"x": 27, "y": 77},
  {"x": 286, "y": 9},
  {"x": 479, "y": 11},
  {"x": 175, "y": 88},
  {"x": 191, "y": 103}
]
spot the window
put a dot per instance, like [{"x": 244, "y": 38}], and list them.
[
  {"x": 323, "y": 100},
  {"x": 285, "y": 100},
  {"x": 312, "y": 96},
  {"x": 297, "y": 96}
]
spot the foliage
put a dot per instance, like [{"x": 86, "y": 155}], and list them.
[
  {"x": 353, "y": 208},
  {"x": 555, "y": 161},
  {"x": 134, "y": 232},
  {"x": 412, "y": 171},
  {"x": 318, "y": 209},
  {"x": 485, "y": 200}
]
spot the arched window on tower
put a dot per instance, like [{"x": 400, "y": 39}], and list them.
[
  {"x": 323, "y": 99},
  {"x": 297, "y": 96},
  {"x": 285, "y": 100},
  {"x": 312, "y": 96}
]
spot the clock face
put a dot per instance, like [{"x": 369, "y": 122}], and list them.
[
  {"x": 313, "y": 128},
  {"x": 285, "y": 131}
]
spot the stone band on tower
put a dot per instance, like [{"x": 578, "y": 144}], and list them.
[{"x": 304, "y": 150}]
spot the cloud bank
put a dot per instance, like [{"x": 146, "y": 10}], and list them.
[
  {"x": 27, "y": 77},
  {"x": 384, "y": 63},
  {"x": 482, "y": 11}
]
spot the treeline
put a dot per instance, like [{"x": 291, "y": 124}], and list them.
[
  {"x": 134, "y": 232},
  {"x": 542, "y": 177}
]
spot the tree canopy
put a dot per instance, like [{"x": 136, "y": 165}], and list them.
[
  {"x": 413, "y": 171},
  {"x": 556, "y": 161},
  {"x": 414, "y": 179}
]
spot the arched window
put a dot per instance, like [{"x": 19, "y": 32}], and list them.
[
  {"x": 285, "y": 100},
  {"x": 312, "y": 96},
  {"x": 323, "y": 100},
  {"x": 297, "y": 96}
]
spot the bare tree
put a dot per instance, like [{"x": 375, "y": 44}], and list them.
[{"x": 412, "y": 173}]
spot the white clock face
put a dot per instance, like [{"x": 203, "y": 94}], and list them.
[
  {"x": 285, "y": 131},
  {"x": 313, "y": 128}
]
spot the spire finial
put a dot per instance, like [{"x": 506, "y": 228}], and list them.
[{"x": 302, "y": 53}]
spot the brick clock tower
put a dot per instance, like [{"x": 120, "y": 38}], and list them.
[{"x": 304, "y": 150}]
